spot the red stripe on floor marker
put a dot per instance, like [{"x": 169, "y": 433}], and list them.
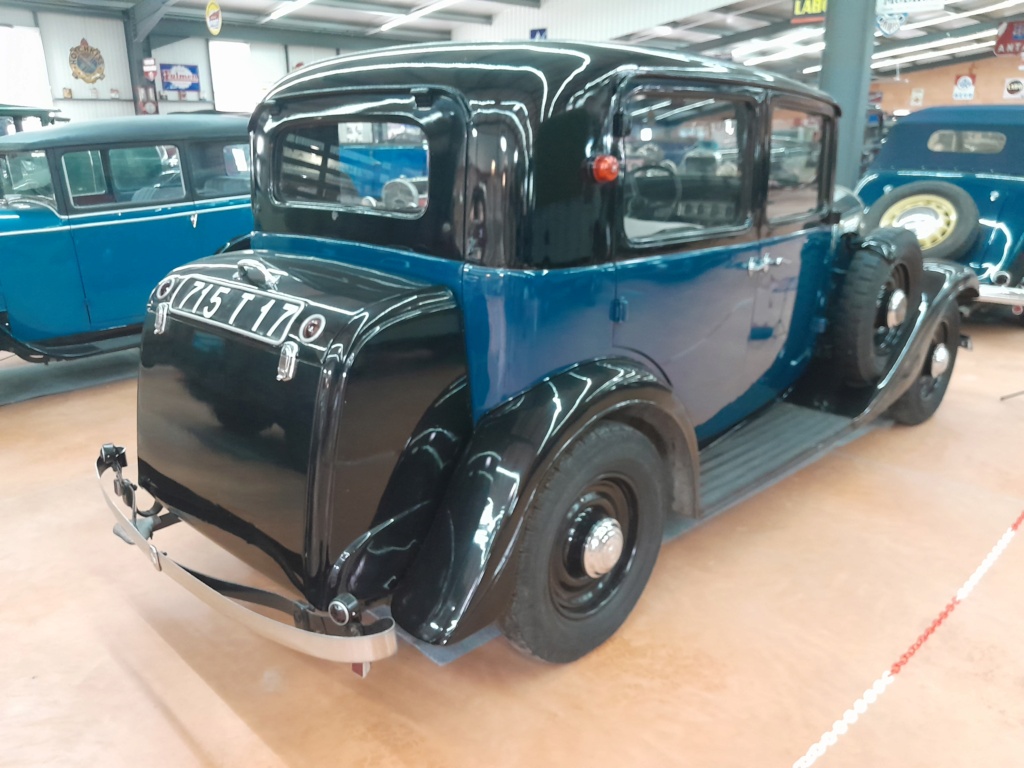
[{"x": 870, "y": 696}]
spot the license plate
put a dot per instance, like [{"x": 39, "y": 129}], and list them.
[{"x": 257, "y": 314}]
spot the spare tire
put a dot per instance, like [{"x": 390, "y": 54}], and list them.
[
  {"x": 876, "y": 306},
  {"x": 943, "y": 216}
]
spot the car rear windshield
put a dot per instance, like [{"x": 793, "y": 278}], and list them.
[
  {"x": 369, "y": 166},
  {"x": 967, "y": 142},
  {"x": 25, "y": 175}
]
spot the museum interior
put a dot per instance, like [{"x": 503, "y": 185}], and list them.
[{"x": 538, "y": 382}]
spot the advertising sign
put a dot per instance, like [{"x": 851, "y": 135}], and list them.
[
  {"x": 809, "y": 11},
  {"x": 149, "y": 69},
  {"x": 1011, "y": 39},
  {"x": 539, "y": 34},
  {"x": 917, "y": 97},
  {"x": 1014, "y": 88},
  {"x": 179, "y": 77},
  {"x": 908, "y": 6},
  {"x": 214, "y": 18},
  {"x": 963, "y": 88}
]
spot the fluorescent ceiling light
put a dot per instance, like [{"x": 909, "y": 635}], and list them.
[
  {"x": 933, "y": 44},
  {"x": 417, "y": 14},
  {"x": 962, "y": 15},
  {"x": 789, "y": 53},
  {"x": 932, "y": 55},
  {"x": 742, "y": 51},
  {"x": 284, "y": 10}
]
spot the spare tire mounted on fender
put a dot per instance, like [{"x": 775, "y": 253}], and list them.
[
  {"x": 943, "y": 216},
  {"x": 877, "y": 305}
]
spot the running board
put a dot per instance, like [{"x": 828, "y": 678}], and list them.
[{"x": 762, "y": 450}]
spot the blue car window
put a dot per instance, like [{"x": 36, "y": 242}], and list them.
[
  {"x": 124, "y": 176},
  {"x": 685, "y": 168},
  {"x": 967, "y": 142},
  {"x": 220, "y": 169},
  {"x": 794, "y": 181},
  {"x": 360, "y": 165},
  {"x": 25, "y": 175}
]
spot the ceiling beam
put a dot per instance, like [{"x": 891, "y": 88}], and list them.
[
  {"x": 376, "y": 8},
  {"x": 739, "y": 37},
  {"x": 145, "y": 15}
]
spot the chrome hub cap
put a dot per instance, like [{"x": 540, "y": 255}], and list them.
[
  {"x": 896, "y": 312},
  {"x": 602, "y": 547},
  {"x": 940, "y": 360}
]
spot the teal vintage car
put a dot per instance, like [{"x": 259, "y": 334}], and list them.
[{"x": 94, "y": 213}]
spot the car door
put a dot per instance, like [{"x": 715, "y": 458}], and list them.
[
  {"x": 796, "y": 244},
  {"x": 688, "y": 240},
  {"x": 131, "y": 221},
  {"x": 222, "y": 190}
]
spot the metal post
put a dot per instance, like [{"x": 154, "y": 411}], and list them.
[{"x": 846, "y": 76}]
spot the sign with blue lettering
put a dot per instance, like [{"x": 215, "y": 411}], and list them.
[{"x": 539, "y": 34}]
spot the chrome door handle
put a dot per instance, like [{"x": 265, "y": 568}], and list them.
[
  {"x": 194, "y": 218},
  {"x": 757, "y": 264}
]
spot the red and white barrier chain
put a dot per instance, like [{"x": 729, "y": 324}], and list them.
[{"x": 870, "y": 696}]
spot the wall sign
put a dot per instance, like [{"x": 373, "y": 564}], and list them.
[
  {"x": 1014, "y": 88},
  {"x": 917, "y": 97},
  {"x": 908, "y": 6},
  {"x": 891, "y": 23},
  {"x": 179, "y": 77},
  {"x": 963, "y": 88},
  {"x": 214, "y": 18},
  {"x": 149, "y": 68},
  {"x": 1011, "y": 39},
  {"x": 86, "y": 62},
  {"x": 539, "y": 34},
  {"x": 809, "y": 11}
]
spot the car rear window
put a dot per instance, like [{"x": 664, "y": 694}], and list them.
[
  {"x": 967, "y": 142},
  {"x": 368, "y": 166}
]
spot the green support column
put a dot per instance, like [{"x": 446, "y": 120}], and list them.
[{"x": 846, "y": 76}]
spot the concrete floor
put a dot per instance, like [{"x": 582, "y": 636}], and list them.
[{"x": 756, "y": 632}]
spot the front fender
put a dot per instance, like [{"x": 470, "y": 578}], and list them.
[{"x": 463, "y": 576}]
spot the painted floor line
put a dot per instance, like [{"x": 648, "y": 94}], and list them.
[{"x": 870, "y": 696}]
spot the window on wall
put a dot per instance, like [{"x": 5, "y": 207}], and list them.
[
  {"x": 231, "y": 73},
  {"x": 686, "y": 168},
  {"x": 795, "y": 178},
  {"x": 21, "y": 51},
  {"x": 124, "y": 175}
]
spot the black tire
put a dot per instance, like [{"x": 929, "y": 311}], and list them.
[
  {"x": 925, "y": 395},
  {"x": 558, "y": 613},
  {"x": 863, "y": 343},
  {"x": 955, "y": 238}
]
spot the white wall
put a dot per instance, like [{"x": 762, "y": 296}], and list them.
[
  {"x": 61, "y": 33},
  {"x": 269, "y": 64},
  {"x": 193, "y": 52},
  {"x": 16, "y": 17},
  {"x": 584, "y": 19},
  {"x": 308, "y": 54}
]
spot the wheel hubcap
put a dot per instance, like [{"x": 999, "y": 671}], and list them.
[
  {"x": 939, "y": 361},
  {"x": 930, "y": 217},
  {"x": 602, "y": 547},
  {"x": 896, "y": 312}
]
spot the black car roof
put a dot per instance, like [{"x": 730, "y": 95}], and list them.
[
  {"x": 547, "y": 72},
  {"x": 134, "y": 128}
]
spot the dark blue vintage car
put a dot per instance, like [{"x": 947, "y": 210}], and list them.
[
  {"x": 513, "y": 313},
  {"x": 955, "y": 176},
  {"x": 93, "y": 214}
]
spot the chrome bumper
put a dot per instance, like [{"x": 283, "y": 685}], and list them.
[
  {"x": 1001, "y": 294},
  {"x": 379, "y": 641}
]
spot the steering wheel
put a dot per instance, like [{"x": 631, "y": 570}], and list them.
[{"x": 652, "y": 208}]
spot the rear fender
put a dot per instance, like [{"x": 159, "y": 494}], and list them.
[{"x": 463, "y": 576}]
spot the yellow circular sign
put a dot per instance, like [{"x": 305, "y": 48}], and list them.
[{"x": 214, "y": 18}]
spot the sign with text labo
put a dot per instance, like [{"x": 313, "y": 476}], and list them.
[
  {"x": 179, "y": 77},
  {"x": 808, "y": 11}
]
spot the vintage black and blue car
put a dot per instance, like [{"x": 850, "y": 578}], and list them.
[
  {"x": 955, "y": 176},
  {"x": 514, "y": 313},
  {"x": 93, "y": 213}
]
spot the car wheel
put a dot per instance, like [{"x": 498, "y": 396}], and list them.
[
  {"x": 923, "y": 398},
  {"x": 942, "y": 216},
  {"x": 876, "y": 308},
  {"x": 591, "y": 539}
]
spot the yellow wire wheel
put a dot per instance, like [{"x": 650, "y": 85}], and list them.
[{"x": 931, "y": 217}]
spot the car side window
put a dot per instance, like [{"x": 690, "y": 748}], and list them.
[
  {"x": 220, "y": 169},
  {"x": 686, "y": 167},
  {"x": 795, "y": 177},
  {"x": 124, "y": 176}
]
